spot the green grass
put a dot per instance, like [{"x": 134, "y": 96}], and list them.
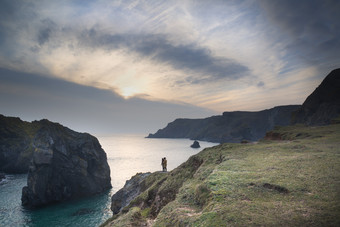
[{"x": 291, "y": 182}]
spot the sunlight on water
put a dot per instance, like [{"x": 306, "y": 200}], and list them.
[{"x": 127, "y": 155}]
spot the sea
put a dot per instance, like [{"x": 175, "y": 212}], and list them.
[{"x": 126, "y": 154}]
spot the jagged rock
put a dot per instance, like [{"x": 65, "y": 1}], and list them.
[
  {"x": 131, "y": 190},
  {"x": 65, "y": 165},
  {"x": 196, "y": 144},
  {"x": 323, "y": 104},
  {"x": 230, "y": 127}
]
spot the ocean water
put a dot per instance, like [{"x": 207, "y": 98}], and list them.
[{"x": 127, "y": 155}]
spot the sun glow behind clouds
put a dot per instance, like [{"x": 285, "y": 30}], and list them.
[{"x": 210, "y": 55}]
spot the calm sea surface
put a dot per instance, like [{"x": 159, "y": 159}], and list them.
[{"x": 127, "y": 155}]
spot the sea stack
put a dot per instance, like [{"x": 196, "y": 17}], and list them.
[
  {"x": 65, "y": 165},
  {"x": 196, "y": 144}
]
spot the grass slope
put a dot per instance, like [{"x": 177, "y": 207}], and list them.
[{"x": 293, "y": 181}]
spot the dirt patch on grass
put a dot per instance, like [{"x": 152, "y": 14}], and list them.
[{"x": 276, "y": 188}]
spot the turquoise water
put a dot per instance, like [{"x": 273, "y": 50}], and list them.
[{"x": 127, "y": 155}]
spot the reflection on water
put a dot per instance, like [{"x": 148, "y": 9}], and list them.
[{"x": 127, "y": 155}]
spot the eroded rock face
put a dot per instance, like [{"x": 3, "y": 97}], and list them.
[
  {"x": 65, "y": 165},
  {"x": 131, "y": 190}
]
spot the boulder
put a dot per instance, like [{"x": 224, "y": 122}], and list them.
[
  {"x": 65, "y": 165},
  {"x": 196, "y": 144}
]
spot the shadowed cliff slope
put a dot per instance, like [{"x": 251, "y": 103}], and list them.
[{"x": 323, "y": 104}]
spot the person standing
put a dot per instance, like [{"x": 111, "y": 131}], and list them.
[
  {"x": 165, "y": 164},
  {"x": 162, "y": 164}
]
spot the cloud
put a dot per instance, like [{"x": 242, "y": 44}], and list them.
[
  {"x": 45, "y": 31},
  {"x": 260, "y": 84},
  {"x": 192, "y": 59},
  {"x": 183, "y": 51},
  {"x": 309, "y": 28},
  {"x": 85, "y": 108}
]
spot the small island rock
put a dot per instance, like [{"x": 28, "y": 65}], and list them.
[{"x": 196, "y": 144}]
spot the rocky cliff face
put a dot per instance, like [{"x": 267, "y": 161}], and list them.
[
  {"x": 61, "y": 163},
  {"x": 130, "y": 191},
  {"x": 323, "y": 104},
  {"x": 230, "y": 127},
  {"x": 65, "y": 165}
]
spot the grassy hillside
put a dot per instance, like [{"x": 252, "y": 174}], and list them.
[{"x": 291, "y": 181}]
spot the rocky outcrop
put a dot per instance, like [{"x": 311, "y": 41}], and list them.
[
  {"x": 196, "y": 144},
  {"x": 130, "y": 191},
  {"x": 154, "y": 191},
  {"x": 323, "y": 104},
  {"x": 230, "y": 127},
  {"x": 61, "y": 164}
]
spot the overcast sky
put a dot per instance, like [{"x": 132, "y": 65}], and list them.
[{"x": 133, "y": 66}]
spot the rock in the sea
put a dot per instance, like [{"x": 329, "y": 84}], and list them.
[
  {"x": 65, "y": 165},
  {"x": 196, "y": 144},
  {"x": 131, "y": 190}
]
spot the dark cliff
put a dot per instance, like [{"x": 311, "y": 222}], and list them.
[
  {"x": 230, "y": 127},
  {"x": 61, "y": 163},
  {"x": 323, "y": 104},
  {"x": 65, "y": 165}
]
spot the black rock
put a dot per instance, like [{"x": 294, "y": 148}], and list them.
[
  {"x": 196, "y": 144},
  {"x": 65, "y": 165}
]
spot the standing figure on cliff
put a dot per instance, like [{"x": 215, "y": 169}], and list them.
[{"x": 164, "y": 164}]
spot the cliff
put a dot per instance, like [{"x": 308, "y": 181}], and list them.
[
  {"x": 323, "y": 104},
  {"x": 62, "y": 164},
  {"x": 230, "y": 127},
  {"x": 16, "y": 147},
  {"x": 293, "y": 181},
  {"x": 65, "y": 165}
]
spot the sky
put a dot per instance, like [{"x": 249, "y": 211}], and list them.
[{"x": 133, "y": 66}]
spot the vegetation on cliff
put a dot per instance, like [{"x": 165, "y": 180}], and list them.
[{"x": 290, "y": 178}]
